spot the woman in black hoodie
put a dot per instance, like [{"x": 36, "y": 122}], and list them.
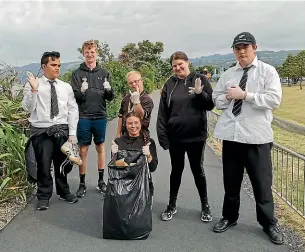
[
  {"x": 137, "y": 139},
  {"x": 182, "y": 128}
]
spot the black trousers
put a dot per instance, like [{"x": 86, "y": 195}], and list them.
[
  {"x": 195, "y": 153},
  {"x": 47, "y": 149},
  {"x": 256, "y": 158}
]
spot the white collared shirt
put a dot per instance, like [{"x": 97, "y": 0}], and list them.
[
  {"x": 264, "y": 93},
  {"x": 39, "y": 105}
]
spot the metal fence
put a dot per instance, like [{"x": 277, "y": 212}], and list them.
[{"x": 288, "y": 171}]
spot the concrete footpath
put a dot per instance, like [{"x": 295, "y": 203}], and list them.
[{"x": 64, "y": 227}]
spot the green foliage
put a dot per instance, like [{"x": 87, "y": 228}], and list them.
[
  {"x": 293, "y": 67},
  {"x": 209, "y": 68},
  {"x": 12, "y": 160},
  {"x": 67, "y": 76}
]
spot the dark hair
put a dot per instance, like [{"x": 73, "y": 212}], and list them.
[
  {"x": 45, "y": 57},
  {"x": 144, "y": 133},
  {"x": 178, "y": 56}
]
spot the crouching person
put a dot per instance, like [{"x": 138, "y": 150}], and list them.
[
  {"x": 128, "y": 200},
  {"x": 53, "y": 118}
]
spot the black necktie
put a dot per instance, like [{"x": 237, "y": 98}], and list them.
[
  {"x": 54, "y": 102},
  {"x": 242, "y": 84}
]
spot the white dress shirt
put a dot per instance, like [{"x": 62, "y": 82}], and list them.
[
  {"x": 264, "y": 93},
  {"x": 39, "y": 105}
]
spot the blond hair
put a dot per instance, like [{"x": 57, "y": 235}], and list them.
[
  {"x": 89, "y": 44},
  {"x": 133, "y": 72}
]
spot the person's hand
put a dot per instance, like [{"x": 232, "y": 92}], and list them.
[
  {"x": 72, "y": 139},
  {"x": 198, "y": 87},
  {"x": 146, "y": 150},
  {"x": 135, "y": 96},
  {"x": 84, "y": 87},
  {"x": 114, "y": 147},
  {"x": 234, "y": 92},
  {"x": 106, "y": 84},
  {"x": 32, "y": 80}
]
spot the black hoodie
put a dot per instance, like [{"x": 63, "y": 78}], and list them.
[
  {"x": 181, "y": 116},
  {"x": 91, "y": 103}
]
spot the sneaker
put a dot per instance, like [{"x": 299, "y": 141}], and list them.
[
  {"x": 206, "y": 215},
  {"x": 42, "y": 205},
  {"x": 168, "y": 213},
  {"x": 72, "y": 152},
  {"x": 82, "y": 189},
  {"x": 101, "y": 186},
  {"x": 70, "y": 198}
]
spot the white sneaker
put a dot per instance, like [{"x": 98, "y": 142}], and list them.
[{"x": 72, "y": 152}]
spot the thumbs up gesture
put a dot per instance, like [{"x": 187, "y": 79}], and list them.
[
  {"x": 106, "y": 84},
  {"x": 146, "y": 150},
  {"x": 114, "y": 147},
  {"x": 135, "y": 96}
]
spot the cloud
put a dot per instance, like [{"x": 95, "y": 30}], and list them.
[{"x": 199, "y": 28}]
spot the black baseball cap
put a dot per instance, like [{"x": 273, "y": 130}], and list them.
[{"x": 244, "y": 38}]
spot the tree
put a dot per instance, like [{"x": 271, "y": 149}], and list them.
[
  {"x": 103, "y": 51},
  {"x": 300, "y": 66},
  {"x": 144, "y": 51},
  {"x": 289, "y": 68}
]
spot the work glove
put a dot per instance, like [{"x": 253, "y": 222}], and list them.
[{"x": 198, "y": 87}]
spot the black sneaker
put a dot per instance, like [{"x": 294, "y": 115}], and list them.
[
  {"x": 275, "y": 235},
  {"x": 42, "y": 205},
  {"x": 206, "y": 215},
  {"x": 101, "y": 186},
  {"x": 82, "y": 189},
  {"x": 168, "y": 213},
  {"x": 70, "y": 198}
]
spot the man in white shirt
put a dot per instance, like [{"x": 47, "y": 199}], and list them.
[
  {"x": 247, "y": 93},
  {"x": 53, "y": 118}
]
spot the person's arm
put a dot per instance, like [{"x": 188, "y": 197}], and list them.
[
  {"x": 76, "y": 87},
  {"x": 29, "y": 100},
  {"x": 73, "y": 114},
  {"x": 153, "y": 158},
  {"x": 109, "y": 94},
  {"x": 147, "y": 107},
  {"x": 162, "y": 119},
  {"x": 219, "y": 95},
  {"x": 272, "y": 95},
  {"x": 206, "y": 94}
]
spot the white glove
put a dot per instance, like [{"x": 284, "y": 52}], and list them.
[
  {"x": 135, "y": 97},
  {"x": 84, "y": 86},
  {"x": 146, "y": 150},
  {"x": 197, "y": 89},
  {"x": 106, "y": 84},
  {"x": 72, "y": 139},
  {"x": 114, "y": 147}
]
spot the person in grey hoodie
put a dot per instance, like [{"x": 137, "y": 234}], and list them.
[{"x": 182, "y": 128}]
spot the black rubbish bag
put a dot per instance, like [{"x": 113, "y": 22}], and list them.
[{"x": 127, "y": 211}]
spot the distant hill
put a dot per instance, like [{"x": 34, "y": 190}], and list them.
[{"x": 218, "y": 60}]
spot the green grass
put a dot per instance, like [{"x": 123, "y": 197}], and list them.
[{"x": 292, "y": 107}]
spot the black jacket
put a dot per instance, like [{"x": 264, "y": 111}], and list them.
[
  {"x": 126, "y": 142},
  {"x": 91, "y": 103},
  {"x": 181, "y": 116}
]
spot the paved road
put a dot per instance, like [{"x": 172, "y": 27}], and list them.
[{"x": 77, "y": 228}]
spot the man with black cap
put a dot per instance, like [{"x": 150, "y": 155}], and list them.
[{"x": 247, "y": 93}]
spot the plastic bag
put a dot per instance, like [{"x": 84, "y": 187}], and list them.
[{"x": 127, "y": 213}]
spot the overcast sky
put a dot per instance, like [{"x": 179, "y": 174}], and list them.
[{"x": 199, "y": 28}]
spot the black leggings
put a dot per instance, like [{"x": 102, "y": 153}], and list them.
[{"x": 195, "y": 153}]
